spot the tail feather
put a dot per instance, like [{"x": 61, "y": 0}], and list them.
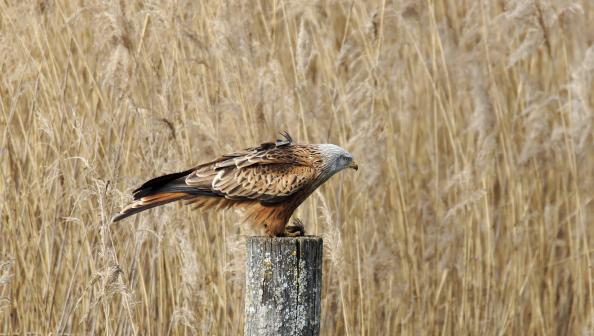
[
  {"x": 166, "y": 189},
  {"x": 149, "y": 202},
  {"x": 161, "y": 190}
]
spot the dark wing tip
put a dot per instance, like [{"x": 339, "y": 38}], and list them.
[
  {"x": 154, "y": 184},
  {"x": 287, "y": 141},
  {"x": 266, "y": 145}
]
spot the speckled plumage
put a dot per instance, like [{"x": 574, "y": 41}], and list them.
[{"x": 268, "y": 182}]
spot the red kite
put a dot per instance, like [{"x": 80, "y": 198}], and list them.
[{"x": 268, "y": 182}]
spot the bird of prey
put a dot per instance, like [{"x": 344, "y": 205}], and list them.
[{"x": 267, "y": 182}]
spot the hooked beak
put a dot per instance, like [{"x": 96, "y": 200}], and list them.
[{"x": 354, "y": 166}]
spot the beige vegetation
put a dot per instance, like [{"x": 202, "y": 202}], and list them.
[{"x": 471, "y": 121}]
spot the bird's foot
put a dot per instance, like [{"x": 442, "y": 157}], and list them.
[{"x": 295, "y": 229}]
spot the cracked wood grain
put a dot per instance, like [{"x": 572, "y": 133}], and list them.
[{"x": 283, "y": 286}]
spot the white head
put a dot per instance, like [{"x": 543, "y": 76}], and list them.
[{"x": 336, "y": 158}]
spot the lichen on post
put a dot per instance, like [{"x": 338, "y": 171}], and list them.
[{"x": 283, "y": 286}]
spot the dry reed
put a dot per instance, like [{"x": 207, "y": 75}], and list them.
[{"x": 472, "y": 122}]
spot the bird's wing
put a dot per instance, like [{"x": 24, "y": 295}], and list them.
[
  {"x": 268, "y": 183},
  {"x": 268, "y": 173}
]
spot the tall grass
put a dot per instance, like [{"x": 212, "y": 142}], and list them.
[{"x": 471, "y": 121}]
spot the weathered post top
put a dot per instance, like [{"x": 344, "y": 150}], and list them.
[{"x": 283, "y": 286}]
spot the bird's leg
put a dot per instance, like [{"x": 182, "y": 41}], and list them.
[{"x": 295, "y": 229}]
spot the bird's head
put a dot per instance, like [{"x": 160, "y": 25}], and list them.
[{"x": 336, "y": 158}]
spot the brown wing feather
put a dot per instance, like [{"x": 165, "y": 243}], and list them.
[
  {"x": 268, "y": 175},
  {"x": 268, "y": 183}
]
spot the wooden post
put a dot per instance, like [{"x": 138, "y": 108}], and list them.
[{"x": 283, "y": 286}]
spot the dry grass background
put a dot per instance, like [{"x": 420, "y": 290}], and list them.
[{"x": 471, "y": 120}]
